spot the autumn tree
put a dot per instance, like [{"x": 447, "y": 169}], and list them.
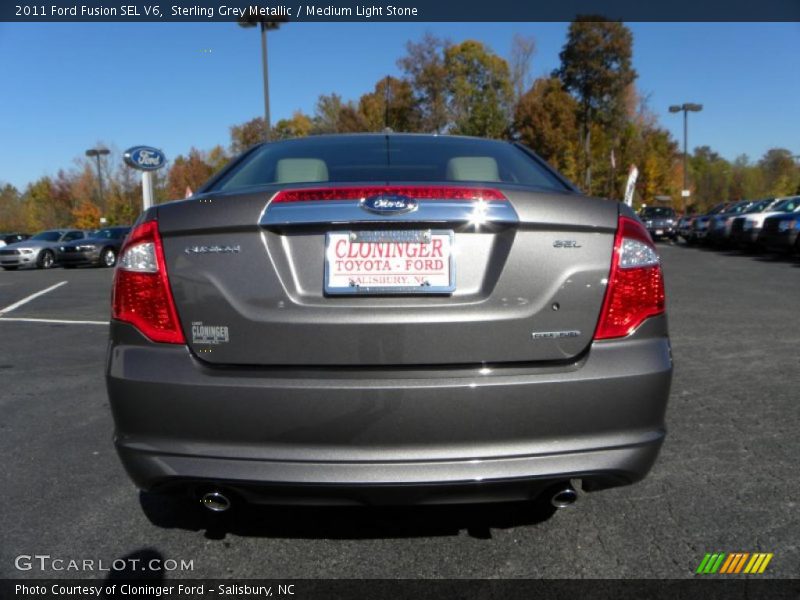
[
  {"x": 479, "y": 90},
  {"x": 747, "y": 179},
  {"x": 709, "y": 175},
  {"x": 522, "y": 51},
  {"x": 392, "y": 105},
  {"x": 425, "y": 70},
  {"x": 124, "y": 196},
  {"x": 217, "y": 158},
  {"x": 327, "y": 113},
  {"x": 11, "y": 210},
  {"x": 781, "y": 172},
  {"x": 545, "y": 119},
  {"x": 86, "y": 215},
  {"x": 596, "y": 68},
  {"x": 334, "y": 115},
  {"x": 247, "y": 134},
  {"x": 300, "y": 125},
  {"x": 657, "y": 159},
  {"x": 70, "y": 190},
  {"x": 187, "y": 173}
]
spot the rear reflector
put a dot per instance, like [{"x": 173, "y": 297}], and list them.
[
  {"x": 635, "y": 289},
  {"x": 427, "y": 192},
  {"x": 141, "y": 294}
]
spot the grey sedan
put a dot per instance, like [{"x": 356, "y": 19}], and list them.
[
  {"x": 38, "y": 251},
  {"x": 388, "y": 319}
]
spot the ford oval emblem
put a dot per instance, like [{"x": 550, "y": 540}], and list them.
[
  {"x": 389, "y": 204},
  {"x": 144, "y": 158}
]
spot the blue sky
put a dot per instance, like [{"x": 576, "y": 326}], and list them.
[{"x": 174, "y": 85}]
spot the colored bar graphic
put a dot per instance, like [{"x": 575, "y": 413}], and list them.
[
  {"x": 728, "y": 563},
  {"x": 733, "y": 563},
  {"x": 741, "y": 562},
  {"x": 764, "y": 564},
  {"x": 703, "y": 563}
]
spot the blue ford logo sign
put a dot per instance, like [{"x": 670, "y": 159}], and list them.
[
  {"x": 389, "y": 204},
  {"x": 144, "y": 158}
]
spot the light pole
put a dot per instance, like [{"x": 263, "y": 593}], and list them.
[
  {"x": 265, "y": 24},
  {"x": 97, "y": 153},
  {"x": 686, "y": 108}
]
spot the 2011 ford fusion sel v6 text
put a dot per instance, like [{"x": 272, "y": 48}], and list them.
[{"x": 388, "y": 319}]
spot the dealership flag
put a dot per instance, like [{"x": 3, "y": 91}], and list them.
[{"x": 633, "y": 174}]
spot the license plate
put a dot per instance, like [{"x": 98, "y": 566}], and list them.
[
  {"x": 389, "y": 262},
  {"x": 659, "y": 232}
]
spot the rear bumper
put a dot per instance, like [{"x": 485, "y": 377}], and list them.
[
  {"x": 389, "y": 435},
  {"x": 662, "y": 232}
]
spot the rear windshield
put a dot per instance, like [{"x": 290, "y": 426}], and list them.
[
  {"x": 658, "y": 211},
  {"x": 110, "y": 234},
  {"x": 388, "y": 159}
]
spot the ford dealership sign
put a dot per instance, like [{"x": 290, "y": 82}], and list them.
[{"x": 144, "y": 158}]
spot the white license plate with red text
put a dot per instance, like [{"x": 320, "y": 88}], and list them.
[{"x": 389, "y": 262}]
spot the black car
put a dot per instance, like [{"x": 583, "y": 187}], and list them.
[
  {"x": 12, "y": 238},
  {"x": 700, "y": 224},
  {"x": 100, "y": 249},
  {"x": 719, "y": 225},
  {"x": 781, "y": 233},
  {"x": 661, "y": 221}
]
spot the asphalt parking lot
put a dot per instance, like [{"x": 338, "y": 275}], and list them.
[{"x": 727, "y": 478}]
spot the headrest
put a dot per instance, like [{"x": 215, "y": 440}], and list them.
[
  {"x": 472, "y": 168},
  {"x": 300, "y": 170}
]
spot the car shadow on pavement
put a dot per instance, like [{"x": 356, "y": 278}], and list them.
[
  {"x": 357, "y": 522},
  {"x": 774, "y": 258},
  {"x": 136, "y": 567}
]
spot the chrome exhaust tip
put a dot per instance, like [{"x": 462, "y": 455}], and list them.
[
  {"x": 564, "y": 497},
  {"x": 215, "y": 502}
]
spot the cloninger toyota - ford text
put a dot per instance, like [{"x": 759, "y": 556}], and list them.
[{"x": 388, "y": 319}]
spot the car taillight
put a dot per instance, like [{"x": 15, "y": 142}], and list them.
[
  {"x": 635, "y": 285},
  {"x": 418, "y": 192},
  {"x": 141, "y": 294}
]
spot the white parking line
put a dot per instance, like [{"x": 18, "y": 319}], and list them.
[
  {"x": 16, "y": 305},
  {"x": 64, "y": 321}
]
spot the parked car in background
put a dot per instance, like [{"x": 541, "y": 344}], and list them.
[
  {"x": 100, "y": 248},
  {"x": 661, "y": 221},
  {"x": 747, "y": 228},
  {"x": 700, "y": 223},
  {"x": 338, "y": 330},
  {"x": 38, "y": 251},
  {"x": 719, "y": 225},
  {"x": 12, "y": 238},
  {"x": 684, "y": 228},
  {"x": 781, "y": 233}
]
